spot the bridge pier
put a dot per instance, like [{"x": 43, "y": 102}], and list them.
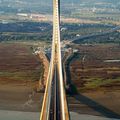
[{"x": 43, "y": 77}]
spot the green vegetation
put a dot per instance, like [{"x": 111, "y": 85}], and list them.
[
  {"x": 35, "y": 31},
  {"x": 99, "y": 82},
  {"x": 25, "y": 31},
  {"x": 23, "y": 75}
]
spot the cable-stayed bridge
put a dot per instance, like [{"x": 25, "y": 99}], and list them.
[{"x": 54, "y": 105}]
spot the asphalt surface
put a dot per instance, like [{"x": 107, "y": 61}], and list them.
[
  {"x": 17, "y": 115},
  {"x": 55, "y": 99}
]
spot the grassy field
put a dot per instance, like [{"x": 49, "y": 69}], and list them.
[
  {"x": 94, "y": 73},
  {"x": 18, "y": 63}
]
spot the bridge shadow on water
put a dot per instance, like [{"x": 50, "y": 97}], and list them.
[
  {"x": 86, "y": 100},
  {"x": 96, "y": 106}
]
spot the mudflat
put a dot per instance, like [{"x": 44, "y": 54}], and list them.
[
  {"x": 19, "y": 74},
  {"x": 18, "y": 79}
]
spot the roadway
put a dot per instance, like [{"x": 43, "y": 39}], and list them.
[
  {"x": 95, "y": 35},
  {"x": 19, "y": 115},
  {"x": 55, "y": 110},
  {"x": 54, "y": 105}
]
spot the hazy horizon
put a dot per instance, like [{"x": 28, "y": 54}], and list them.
[{"x": 40, "y": 6}]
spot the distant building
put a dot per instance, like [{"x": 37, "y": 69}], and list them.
[
  {"x": 22, "y": 14},
  {"x": 78, "y": 35}
]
